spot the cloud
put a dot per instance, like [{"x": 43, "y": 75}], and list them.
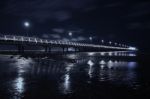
[
  {"x": 139, "y": 26},
  {"x": 77, "y": 31},
  {"x": 58, "y": 30},
  {"x": 55, "y": 36},
  {"x": 58, "y": 10},
  {"x": 45, "y": 36},
  {"x": 140, "y": 9},
  {"x": 114, "y": 4},
  {"x": 135, "y": 25},
  {"x": 51, "y": 36},
  {"x": 63, "y": 38},
  {"x": 80, "y": 38}
]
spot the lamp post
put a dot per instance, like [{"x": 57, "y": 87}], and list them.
[
  {"x": 110, "y": 42},
  {"x": 70, "y": 35},
  {"x": 90, "y": 38},
  {"x": 102, "y": 41}
]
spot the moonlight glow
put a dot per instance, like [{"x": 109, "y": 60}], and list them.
[{"x": 26, "y": 24}]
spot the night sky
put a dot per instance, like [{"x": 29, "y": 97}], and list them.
[{"x": 124, "y": 21}]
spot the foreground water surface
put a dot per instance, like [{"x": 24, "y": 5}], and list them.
[{"x": 74, "y": 76}]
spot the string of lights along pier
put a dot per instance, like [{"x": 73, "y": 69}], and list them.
[{"x": 20, "y": 41}]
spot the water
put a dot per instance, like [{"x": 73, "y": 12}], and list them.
[{"x": 75, "y": 76}]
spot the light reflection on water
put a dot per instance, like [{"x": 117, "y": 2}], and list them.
[
  {"x": 90, "y": 63},
  {"x": 119, "y": 72},
  {"x": 18, "y": 85},
  {"x": 22, "y": 65},
  {"x": 65, "y": 86},
  {"x": 63, "y": 73}
]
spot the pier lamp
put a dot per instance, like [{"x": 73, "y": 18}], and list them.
[
  {"x": 110, "y": 42},
  {"x": 90, "y": 38},
  {"x": 70, "y": 34}
]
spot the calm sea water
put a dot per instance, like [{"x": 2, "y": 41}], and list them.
[{"x": 75, "y": 76}]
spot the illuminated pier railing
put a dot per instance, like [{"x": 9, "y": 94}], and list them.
[{"x": 62, "y": 43}]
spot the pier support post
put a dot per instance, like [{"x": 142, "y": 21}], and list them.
[
  {"x": 63, "y": 49},
  {"x": 46, "y": 49},
  {"x": 67, "y": 49},
  {"x": 76, "y": 49},
  {"x": 20, "y": 48},
  {"x": 49, "y": 49}
]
